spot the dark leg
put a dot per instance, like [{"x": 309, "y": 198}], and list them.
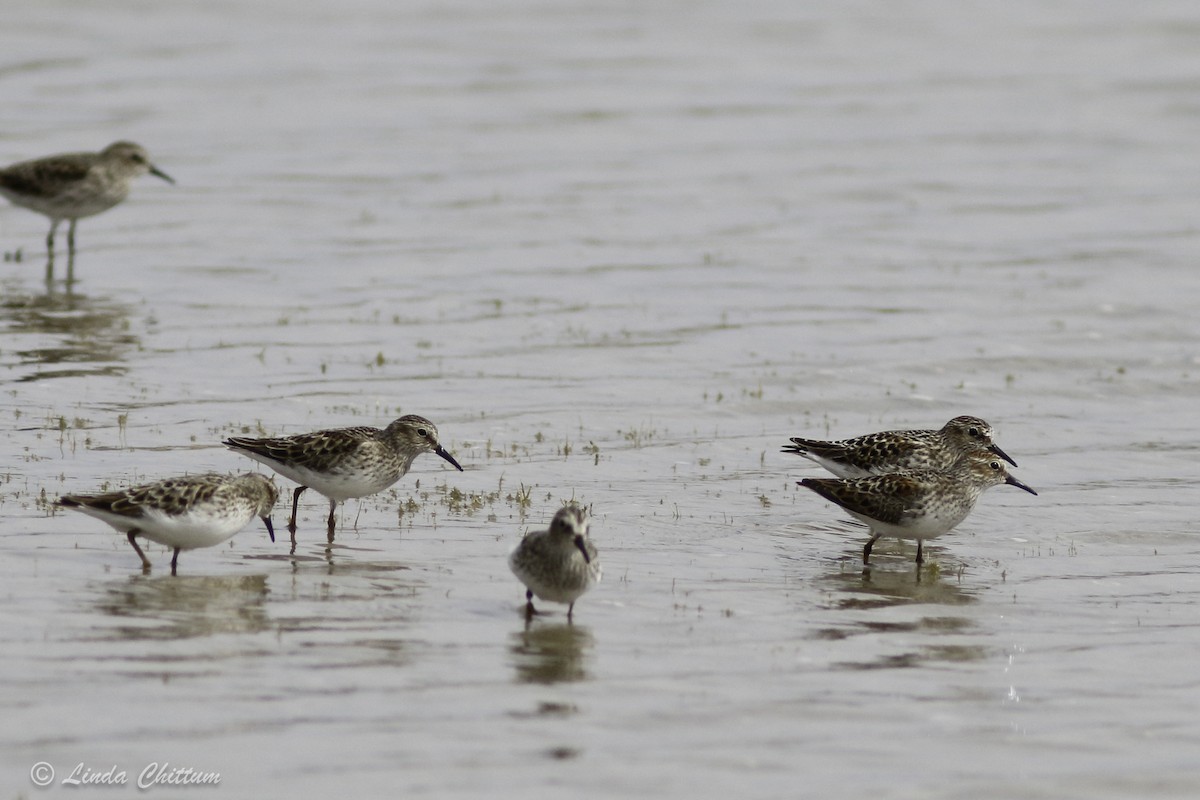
[
  {"x": 141, "y": 555},
  {"x": 174, "y": 560},
  {"x": 70, "y": 269},
  {"x": 332, "y": 518},
  {"x": 570, "y": 611},
  {"x": 529, "y": 610},
  {"x": 50, "y": 239},
  {"x": 295, "y": 504},
  {"x": 920, "y": 555},
  {"x": 867, "y": 548},
  {"x": 71, "y": 239}
]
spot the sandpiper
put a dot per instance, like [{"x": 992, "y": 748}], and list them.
[
  {"x": 75, "y": 185},
  {"x": 558, "y": 564},
  {"x": 183, "y": 513},
  {"x": 891, "y": 451},
  {"x": 915, "y": 504},
  {"x": 345, "y": 463}
]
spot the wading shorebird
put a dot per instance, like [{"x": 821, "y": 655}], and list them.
[
  {"x": 71, "y": 186},
  {"x": 891, "y": 451},
  {"x": 915, "y": 504},
  {"x": 558, "y": 564},
  {"x": 345, "y": 463},
  {"x": 183, "y": 513}
]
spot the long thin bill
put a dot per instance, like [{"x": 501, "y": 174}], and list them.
[
  {"x": 442, "y": 452},
  {"x": 582, "y": 545},
  {"x": 995, "y": 448},
  {"x": 270, "y": 527},
  {"x": 161, "y": 174},
  {"x": 1011, "y": 481}
]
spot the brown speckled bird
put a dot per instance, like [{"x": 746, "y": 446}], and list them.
[
  {"x": 915, "y": 504},
  {"x": 345, "y": 463},
  {"x": 71, "y": 186},
  {"x": 890, "y": 451},
  {"x": 183, "y": 513}
]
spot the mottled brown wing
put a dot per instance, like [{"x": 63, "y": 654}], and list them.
[
  {"x": 174, "y": 495},
  {"x": 315, "y": 451},
  {"x": 171, "y": 496},
  {"x": 46, "y": 177},
  {"x": 890, "y": 498},
  {"x": 104, "y": 502},
  {"x": 864, "y": 453}
]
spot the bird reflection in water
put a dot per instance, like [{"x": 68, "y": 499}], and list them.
[
  {"x": 879, "y": 588},
  {"x": 551, "y": 653},
  {"x": 188, "y": 606},
  {"x": 63, "y": 334}
]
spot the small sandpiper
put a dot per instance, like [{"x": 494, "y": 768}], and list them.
[
  {"x": 345, "y": 463},
  {"x": 75, "y": 185},
  {"x": 915, "y": 504},
  {"x": 558, "y": 564},
  {"x": 183, "y": 513},
  {"x": 891, "y": 451}
]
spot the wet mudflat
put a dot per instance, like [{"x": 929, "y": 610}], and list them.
[{"x": 617, "y": 254}]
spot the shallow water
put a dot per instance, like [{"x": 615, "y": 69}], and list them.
[{"x": 619, "y": 254}]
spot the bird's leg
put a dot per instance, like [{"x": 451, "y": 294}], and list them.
[
  {"x": 50, "y": 239},
  {"x": 332, "y": 518},
  {"x": 570, "y": 611},
  {"x": 529, "y": 610},
  {"x": 71, "y": 238},
  {"x": 867, "y": 548},
  {"x": 141, "y": 555},
  {"x": 174, "y": 560},
  {"x": 295, "y": 504},
  {"x": 920, "y": 555}
]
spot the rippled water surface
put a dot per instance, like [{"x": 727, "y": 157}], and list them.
[{"x": 618, "y": 252}]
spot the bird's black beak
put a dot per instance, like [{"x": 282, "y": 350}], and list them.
[
  {"x": 995, "y": 448},
  {"x": 442, "y": 452},
  {"x": 156, "y": 171},
  {"x": 583, "y": 548},
  {"x": 1011, "y": 481},
  {"x": 270, "y": 527}
]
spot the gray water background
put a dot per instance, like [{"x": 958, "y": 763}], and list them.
[{"x": 618, "y": 252}]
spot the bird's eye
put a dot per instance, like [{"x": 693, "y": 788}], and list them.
[
  {"x": 422, "y": 433},
  {"x": 973, "y": 432},
  {"x": 995, "y": 465}
]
